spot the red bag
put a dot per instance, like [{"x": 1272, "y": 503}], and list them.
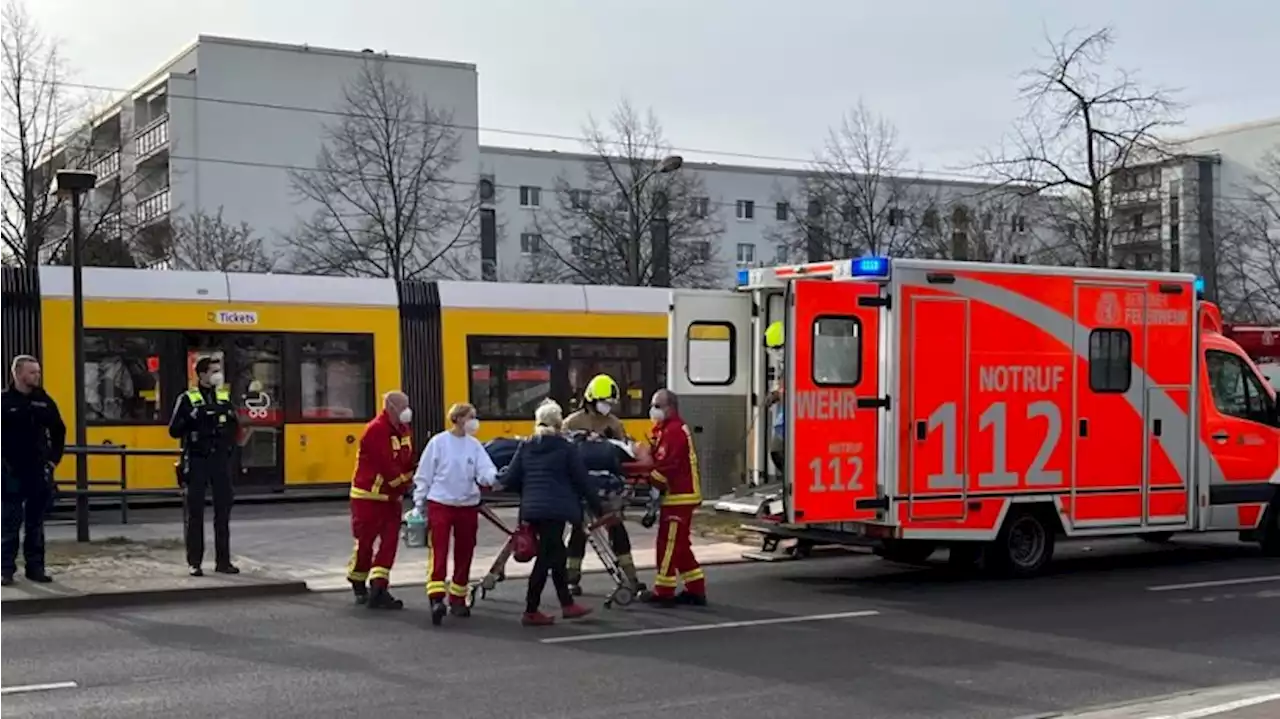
[{"x": 524, "y": 544}]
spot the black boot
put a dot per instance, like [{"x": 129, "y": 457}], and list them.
[
  {"x": 7, "y": 580},
  {"x": 360, "y": 590},
  {"x": 39, "y": 577},
  {"x": 438, "y": 610},
  {"x": 460, "y": 610},
  {"x": 380, "y": 598},
  {"x": 689, "y": 599},
  {"x": 227, "y": 568}
]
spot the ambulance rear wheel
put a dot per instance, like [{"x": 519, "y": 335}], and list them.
[
  {"x": 906, "y": 551},
  {"x": 1023, "y": 547}
]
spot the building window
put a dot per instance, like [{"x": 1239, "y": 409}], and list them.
[
  {"x": 509, "y": 378},
  {"x": 336, "y": 378},
  {"x": 620, "y": 359},
  {"x": 530, "y": 196},
  {"x": 709, "y": 353},
  {"x": 780, "y": 254},
  {"x": 122, "y": 378},
  {"x": 701, "y": 206},
  {"x": 895, "y": 217},
  {"x": 1110, "y": 360},
  {"x": 837, "y": 351},
  {"x": 746, "y": 253},
  {"x": 782, "y": 211},
  {"x": 746, "y": 209},
  {"x": 580, "y": 199},
  {"x": 987, "y": 221},
  {"x": 1237, "y": 392},
  {"x": 701, "y": 250},
  {"x": 1019, "y": 223},
  {"x": 578, "y": 246},
  {"x": 930, "y": 220},
  {"x": 849, "y": 212},
  {"x": 530, "y": 243}
]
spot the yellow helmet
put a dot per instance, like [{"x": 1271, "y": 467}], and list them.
[
  {"x": 602, "y": 388},
  {"x": 773, "y": 335}
]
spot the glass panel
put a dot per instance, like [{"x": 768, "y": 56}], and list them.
[
  {"x": 336, "y": 376},
  {"x": 122, "y": 379},
  {"x": 837, "y": 351},
  {"x": 620, "y": 359}
]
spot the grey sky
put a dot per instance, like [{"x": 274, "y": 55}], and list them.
[{"x": 737, "y": 75}]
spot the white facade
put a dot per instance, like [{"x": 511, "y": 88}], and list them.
[{"x": 221, "y": 126}]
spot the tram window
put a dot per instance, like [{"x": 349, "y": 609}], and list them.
[
  {"x": 837, "y": 351},
  {"x": 660, "y": 364},
  {"x": 620, "y": 359},
  {"x": 336, "y": 378},
  {"x": 709, "y": 353},
  {"x": 1110, "y": 360},
  {"x": 509, "y": 377},
  {"x": 122, "y": 378}
]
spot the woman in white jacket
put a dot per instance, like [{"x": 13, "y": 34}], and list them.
[{"x": 453, "y": 468}]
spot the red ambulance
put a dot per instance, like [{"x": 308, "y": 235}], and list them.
[{"x": 987, "y": 409}]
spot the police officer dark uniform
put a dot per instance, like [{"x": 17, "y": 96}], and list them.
[
  {"x": 205, "y": 420},
  {"x": 34, "y": 439}
]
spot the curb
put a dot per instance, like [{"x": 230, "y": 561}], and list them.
[{"x": 111, "y": 600}]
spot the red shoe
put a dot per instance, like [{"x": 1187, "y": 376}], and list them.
[
  {"x": 576, "y": 611},
  {"x": 537, "y": 619}
]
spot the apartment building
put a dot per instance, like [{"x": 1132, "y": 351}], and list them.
[{"x": 227, "y": 123}]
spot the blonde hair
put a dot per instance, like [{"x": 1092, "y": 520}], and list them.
[
  {"x": 548, "y": 418},
  {"x": 460, "y": 410}
]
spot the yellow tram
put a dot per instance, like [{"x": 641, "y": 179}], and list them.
[{"x": 307, "y": 358}]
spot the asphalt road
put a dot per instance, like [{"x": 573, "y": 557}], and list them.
[{"x": 1116, "y": 621}]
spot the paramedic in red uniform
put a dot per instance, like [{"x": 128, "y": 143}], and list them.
[
  {"x": 453, "y": 468},
  {"x": 384, "y": 471},
  {"x": 675, "y": 473}
]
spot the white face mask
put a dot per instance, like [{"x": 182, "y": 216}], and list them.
[
  {"x": 406, "y": 415},
  {"x": 656, "y": 414},
  {"x": 603, "y": 407},
  {"x": 472, "y": 426},
  {"x": 216, "y": 379}
]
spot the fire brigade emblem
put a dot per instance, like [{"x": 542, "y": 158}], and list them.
[{"x": 1108, "y": 311}]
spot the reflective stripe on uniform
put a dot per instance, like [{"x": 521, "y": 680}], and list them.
[
  {"x": 680, "y": 500},
  {"x": 457, "y": 590},
  {"x": 377, "y": 485},
  {"x": 352, "y": 574},
  {"x": 380, "y": 573},
  {"x": 197, "y": 398},
  {"x": 665, "y": 573},
  {"x": 357, "y": 493},
  {"x": 435, "y": 588},
  {"x": 693, "y": 576},
  {"x": 399, "y": 480}
]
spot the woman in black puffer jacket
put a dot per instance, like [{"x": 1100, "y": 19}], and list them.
[{"x": 552, "y": 481}]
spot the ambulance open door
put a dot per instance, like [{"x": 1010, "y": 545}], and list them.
[
  {"x": 834, "y": 400},
  {"x": 709, "y": 368}
]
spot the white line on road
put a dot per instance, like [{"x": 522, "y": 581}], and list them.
[
  {"x": 25, "y": 688},
  {"x": 1214, "y": 583},
  {"x": 1221, "y": 708},
  {"x": 706, "y": 627}
]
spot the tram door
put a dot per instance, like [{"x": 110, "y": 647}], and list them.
[{"x": 252, "y": 363}]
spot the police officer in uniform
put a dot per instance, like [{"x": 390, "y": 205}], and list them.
[
  {"x": 34, "y": 439},
  {"x": 205, "y": 421}
]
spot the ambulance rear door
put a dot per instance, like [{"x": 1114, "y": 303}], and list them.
[
  {"x": 709, "y": 368},
  {"x": 835, "y": 399}
]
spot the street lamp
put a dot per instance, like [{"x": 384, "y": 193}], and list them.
[
  {"x": 75, "y": 183},
  {"x": 669, "y": 164}
]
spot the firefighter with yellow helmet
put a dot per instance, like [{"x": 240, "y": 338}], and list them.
[
  {"x": 597, "y": 416},
  {"x": 775, "y": 342}
]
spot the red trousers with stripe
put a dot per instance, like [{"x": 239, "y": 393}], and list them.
[
  {"x": 374, "y": 523},
  {"x": 676, "y": 562},
  {"x": 462, "y": 524}
]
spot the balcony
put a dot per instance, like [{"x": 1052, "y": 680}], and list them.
[
  {"x": 152, "y": 139},
  {"x": 107, "y": 165},
  {"x": 1138, "y": 237},
  {"x": 110, "y": 226},
  {"x": 154, "y": 207}
]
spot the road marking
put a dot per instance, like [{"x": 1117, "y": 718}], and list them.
[
  {"x": 1214, "y": 583},
  {"x": 1221, "y": 708},
  {"x": 25, "y": 688},
  {"x": 708, "y": 627}
]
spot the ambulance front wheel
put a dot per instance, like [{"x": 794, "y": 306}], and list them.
[{"x": 1023, "y": 547}]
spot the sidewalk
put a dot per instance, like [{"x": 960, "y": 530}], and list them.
[
  {"x": 1259, "y": 700},
  {"x": 279, "y": 548}
]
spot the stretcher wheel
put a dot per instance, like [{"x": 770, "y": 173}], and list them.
[{"x": 622, "y": 596}]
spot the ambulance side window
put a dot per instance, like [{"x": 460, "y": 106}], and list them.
[
  {"x": 709, "y": 355},
  {"x": 837, "y": 351},
  {"x": 1110, "y": 360},
  {"x": 1236, "y": 390}
]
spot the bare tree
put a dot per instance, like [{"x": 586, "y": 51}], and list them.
[
  {"x": 203, "y": 241},
  {"x": 385, "y": 204},
  {"x": 606, "y": 225},
  {"x": 857, "y": 197},
  {"x": 1086, "y": 123},
  {"x": 1247, "y": 251}
]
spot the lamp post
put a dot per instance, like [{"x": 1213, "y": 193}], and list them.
[
  {"x": 75, "y": 183},
  {"x": 669, "y": 164}
]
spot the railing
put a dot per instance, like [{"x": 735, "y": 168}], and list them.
[
  {"x": 107, "y": 165},
  {"x": 151, "y": 138},
  {"x": 119, "y": 488},
  {"x": 153, "y": 206}
]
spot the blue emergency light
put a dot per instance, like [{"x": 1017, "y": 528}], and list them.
[
  {"x": 873, "y": 267},
  {"x": 744, "y": 276},
  {"x": 1199, "y": 286}
]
